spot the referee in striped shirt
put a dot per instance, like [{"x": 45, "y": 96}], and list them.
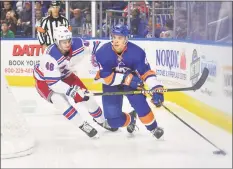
[{"x": 45, "y": 30}]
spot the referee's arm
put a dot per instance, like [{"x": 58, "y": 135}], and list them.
[
  {"x": 41, "y": 31},
  {"x": 67, "y": 23}
]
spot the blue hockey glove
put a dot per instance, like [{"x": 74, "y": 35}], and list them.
[
  {"x": 157, "y": 98},
  {"x": 132, "y": 80}
]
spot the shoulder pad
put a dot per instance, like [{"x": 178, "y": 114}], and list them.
[
  {"x": 77, "y": 46},
  {"x": 104, "y": 48},
  {"x": 54, "y": 52}
]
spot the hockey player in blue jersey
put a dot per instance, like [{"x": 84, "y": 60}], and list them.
[
  {"x": 123, "y": 67},
  {"x": 57, "y": 83}
]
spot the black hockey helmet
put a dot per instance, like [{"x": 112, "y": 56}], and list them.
[{"x": 55, "y": 3}]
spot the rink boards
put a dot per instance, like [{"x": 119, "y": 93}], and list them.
[{"x": 178, "y": 64}]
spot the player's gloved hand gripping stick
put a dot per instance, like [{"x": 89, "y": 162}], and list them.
[
  {"x": 76, "y": 91},
  {"x": 133, "y": 81},
  {"x": 195, "y": 87}
]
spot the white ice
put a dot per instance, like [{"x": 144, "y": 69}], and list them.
[{"x": 60, "y": 144}]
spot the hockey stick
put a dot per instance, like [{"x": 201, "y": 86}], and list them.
[
  {"x": 195, "y": 87},
  {"x": 219, "y": 151}
]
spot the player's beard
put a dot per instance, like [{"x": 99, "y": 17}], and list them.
[
  {"x": 118, "y": 49},
  {"x": 64, "y": 51}
]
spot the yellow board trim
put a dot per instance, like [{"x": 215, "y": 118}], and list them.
[
  {"x": 210, "y": 114},
  {"x": 28, "y": 81}
]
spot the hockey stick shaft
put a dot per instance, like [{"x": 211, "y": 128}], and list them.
[
  {"x": 224, "y": 153},
  {"x": 197, "y": 86},
  {"x": 171, "y": 112}
]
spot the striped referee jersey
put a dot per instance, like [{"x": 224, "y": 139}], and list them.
[{"x": 46, "y": 28}]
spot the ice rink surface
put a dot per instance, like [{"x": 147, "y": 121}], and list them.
[{"x": 61, "y": 144}]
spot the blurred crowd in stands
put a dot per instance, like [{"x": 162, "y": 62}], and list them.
[{"x": 159, "y": 19}]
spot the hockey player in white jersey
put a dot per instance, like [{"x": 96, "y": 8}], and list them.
[{"x": 56, "y": 82}]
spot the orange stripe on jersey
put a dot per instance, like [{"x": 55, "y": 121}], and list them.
[
  {"x": 147, "y": 119},
  {"x": 148, "y": 73},
  {"x": 108, "y": 80},
  {"x": 70, "y": 28},
  {"x": 128, "y": 119},
  {"x": 97, "y": 76},
  {"x": 128, "y": 80},
  {"x": 39, "y": 29}
]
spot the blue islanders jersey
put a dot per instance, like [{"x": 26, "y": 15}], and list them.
[
  {"x": 112, "y": 66},
  {"x": 54, "y": 66}
]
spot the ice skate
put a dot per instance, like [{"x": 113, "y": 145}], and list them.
[
  {"x": 157, "y": 132},
  {"x": 88, "y": 129},
  {"x": 131, "y": 127}
]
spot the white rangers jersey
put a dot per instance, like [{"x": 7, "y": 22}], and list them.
[{"x": 54, "y": 66}]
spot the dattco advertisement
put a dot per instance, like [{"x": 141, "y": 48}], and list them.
[{"x": 21, "y": 57}]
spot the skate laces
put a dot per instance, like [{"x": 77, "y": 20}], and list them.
[
  {"x": 87, "y": 127},
  {"x": 106, "y": 125},
  {"x": 133, "y": 127},
  {"x": 156, "y": 130}
]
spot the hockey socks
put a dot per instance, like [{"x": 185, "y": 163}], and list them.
[
  {"x": 98, "y": 115},
  {"x": 70, "y": 113}
]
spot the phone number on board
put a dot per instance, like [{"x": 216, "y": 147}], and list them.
[{"x": 18, "y": 70}]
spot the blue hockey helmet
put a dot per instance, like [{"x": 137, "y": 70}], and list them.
[{"x": 121, "y": 30}]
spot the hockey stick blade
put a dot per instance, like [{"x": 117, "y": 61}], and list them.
[
  {"x": 202, "y": 79},
  {"x": 195, "y": 87}
]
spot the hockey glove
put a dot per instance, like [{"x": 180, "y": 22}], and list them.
[
  {"x": 132, "y": 80},
  {"x": 77, "y": 93},
  {"x": 157, "y": 98}
]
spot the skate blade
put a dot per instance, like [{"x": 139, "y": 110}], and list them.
[
  {"x": 96, "y": 137},
  {"x": 131, "y": 135},
  {"x": 161, "y": 138}
]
